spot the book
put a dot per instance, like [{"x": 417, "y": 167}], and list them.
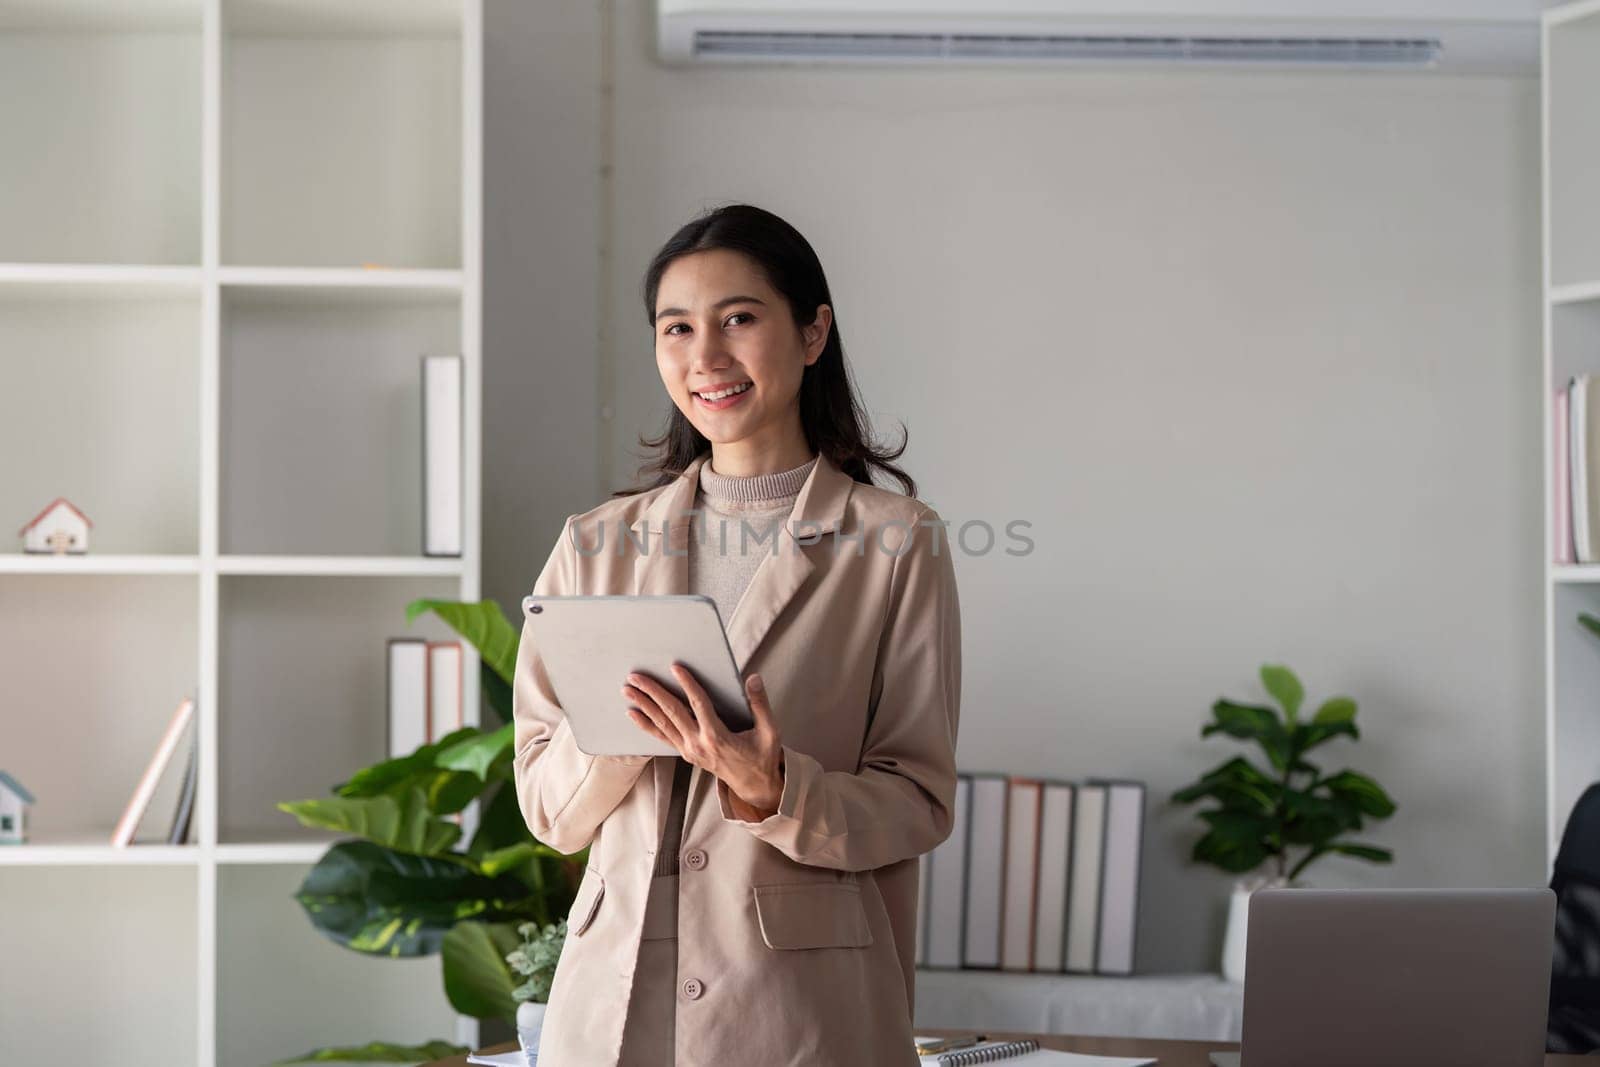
[
  {"x": 122, "y": 834},
  {"x": 947, "y": 885},
  {"x": 1023, "y": 796},
  {"x": 407, "y": 695},
  {"x": 1026, "y": 1053},
  {"x": 1055, "y": 869},
  {"x": 515, "y": 1058},
  {"x": 986, "y": 837},
  {"x": 1083, "y": 916},
  {"x": 444, "y": 689},
  {"x": 1119, "y": 876},
  {"x": 1577, "y": 446},
  {"x": 183, "y": 811},
  {"x": 1561, "y": 477},
  {"x": 441, "y": 455}
]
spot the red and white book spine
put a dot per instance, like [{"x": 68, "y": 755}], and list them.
[{"x": 123, "y": 834}]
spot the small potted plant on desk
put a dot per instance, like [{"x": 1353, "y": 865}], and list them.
[
  {"x": 1288, "y": 815},
  {"x": 535, "y": 961}
]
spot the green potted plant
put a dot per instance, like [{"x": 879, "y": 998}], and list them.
[
  {"x": 400, "y": 885},
  {"x": 535, "y": 961},
  {"x": 1276, "y": 820}
]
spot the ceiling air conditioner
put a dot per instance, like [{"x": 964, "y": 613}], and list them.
[{"x": 1450, "y": 36}]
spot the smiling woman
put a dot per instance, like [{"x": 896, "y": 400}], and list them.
[{"x": 754, "y": 898}]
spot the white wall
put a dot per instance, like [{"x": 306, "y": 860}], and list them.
[{"x": 1256, "y": 354}]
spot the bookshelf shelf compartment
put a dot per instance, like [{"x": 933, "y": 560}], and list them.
[
  {"x": 109, "y": 171},
  {"x": 264, "y": 934},
  {"x": 96, "y": 695},
  {"x": 322, "y": 420},
  {"x": 304, "y": 675},
  {"x": 105, "y": 411},
  {"x": 343, "y": 134},
  {"x": 69, "y": 953}
]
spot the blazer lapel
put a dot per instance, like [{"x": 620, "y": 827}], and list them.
[{"x": 662, "y": 539}]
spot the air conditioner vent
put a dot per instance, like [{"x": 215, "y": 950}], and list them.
[{"x": 1334, "y": 51}]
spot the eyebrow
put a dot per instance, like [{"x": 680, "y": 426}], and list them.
[{"x": 718, "y": 306}]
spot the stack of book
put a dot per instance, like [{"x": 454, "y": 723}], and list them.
[
  {"x": 1576, "y": 478},
  {"x": 183, "y": 721},
  {"x": 1036, "y": 875},
  {"x": 425, "y": 693}
]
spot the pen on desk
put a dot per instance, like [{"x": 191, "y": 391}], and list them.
[{"x": 949, "y": 1044}]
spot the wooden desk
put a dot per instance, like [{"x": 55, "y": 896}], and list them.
[{"x": 1169, "y": 1053}]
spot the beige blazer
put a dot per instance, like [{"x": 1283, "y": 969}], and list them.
[{"x": 797, "y": 934}]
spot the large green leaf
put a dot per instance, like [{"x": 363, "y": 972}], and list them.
[
  {"x": 477, "y": 979},
  {"x": 417, "y": 768},
  {"x": 1285, "y": 688},
  {"x": 1308, "y": 736},
  {"x": 1237, "y": 783},
  {"x": 1251, "y": 723},
  {"x": 405, "y": 823},
  {"x": 475, "y": 755},
  {"x": 1365, "y": 852},
  {"x": 496, "y": 692},
  {"x": 382, "y": 902},
  {"x": 382, "y": 1052},
  {"x": 1335, "y": 709},
  {"x": 1233, "y": 854},
  {"x": 1368, "y": 796},
  {"x": 483, "y": 624}
]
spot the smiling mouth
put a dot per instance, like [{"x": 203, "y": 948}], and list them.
[{"x": 715, "y": 395}]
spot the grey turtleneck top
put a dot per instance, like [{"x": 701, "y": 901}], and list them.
[{"x": 736, "y": 532}]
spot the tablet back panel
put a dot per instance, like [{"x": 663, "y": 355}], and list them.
[{"x": 589, "y": 644}]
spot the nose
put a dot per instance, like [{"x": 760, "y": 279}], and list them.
[{"x": 707, "y": 352}]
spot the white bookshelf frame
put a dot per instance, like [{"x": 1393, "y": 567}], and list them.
[
  {"x": 211, "y": 280},
  {"x": 1572, "y": 658}
]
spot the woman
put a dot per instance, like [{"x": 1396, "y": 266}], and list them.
[{"x": 753, "y": 900}]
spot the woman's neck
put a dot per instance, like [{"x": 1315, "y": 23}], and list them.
[{"x": 734, "y": 460}]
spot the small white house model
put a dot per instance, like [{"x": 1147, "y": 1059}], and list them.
[
  {"x": 59, "y": 529},
  {"x": 14, "y": 801}
]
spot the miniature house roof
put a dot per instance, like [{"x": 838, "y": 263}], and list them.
[
  {"x": 48, "y": 509},
  {"x": 8, "y": 782}
]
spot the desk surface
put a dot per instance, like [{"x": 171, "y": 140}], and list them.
[{"x": 1169, "y": 1053}]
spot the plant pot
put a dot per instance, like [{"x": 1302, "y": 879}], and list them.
[
  {"x": 530, "y": 1020},
  {"x": 1233, "y": 945}
]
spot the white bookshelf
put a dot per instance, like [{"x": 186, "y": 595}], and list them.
[
  {"x": 1571, "y": 238},
  {"x": 230, "y": 231}
]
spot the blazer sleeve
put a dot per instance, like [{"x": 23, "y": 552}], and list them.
[
  {"x": 899, "y": 803},
  {"x": 565, "y": 794}
]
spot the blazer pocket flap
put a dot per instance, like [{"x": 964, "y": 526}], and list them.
[
  {"x": 586, "y": 903},
  {"x": 812, "y": 916}
]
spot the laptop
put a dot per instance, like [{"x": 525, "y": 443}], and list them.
[{"x": 1396, "y": 978}]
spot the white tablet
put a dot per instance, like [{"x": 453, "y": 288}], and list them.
[{"x": 589, "y": 645}]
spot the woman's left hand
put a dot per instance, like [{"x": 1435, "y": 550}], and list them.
[{"x": 750, "y": 763}]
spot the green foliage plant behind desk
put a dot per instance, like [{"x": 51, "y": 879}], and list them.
[
  {"x": 1262, "y": 813},
  {"x": 401, "y": 887}
]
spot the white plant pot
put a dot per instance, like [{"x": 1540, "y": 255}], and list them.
[
  {"x": 1233, "y": 944},
  {"x": 530, "y": 1020}
]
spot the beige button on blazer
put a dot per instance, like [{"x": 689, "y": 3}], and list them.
[{"x": 796, "y": 935}]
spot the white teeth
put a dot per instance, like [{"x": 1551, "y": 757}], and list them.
[{"x": 724, "y": 392}]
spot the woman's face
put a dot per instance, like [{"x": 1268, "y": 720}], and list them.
[{"x": 719, "y": 324}]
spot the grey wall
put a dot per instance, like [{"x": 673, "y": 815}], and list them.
[{"x": 1255, "y": 354}]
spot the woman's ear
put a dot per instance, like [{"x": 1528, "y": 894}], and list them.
[{"x": 816, "y": 334}]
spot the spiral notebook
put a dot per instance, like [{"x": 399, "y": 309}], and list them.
[{"x": 1027, "y": 1054}]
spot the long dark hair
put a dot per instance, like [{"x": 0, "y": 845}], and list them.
[{"x": 834, "y": 422}]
